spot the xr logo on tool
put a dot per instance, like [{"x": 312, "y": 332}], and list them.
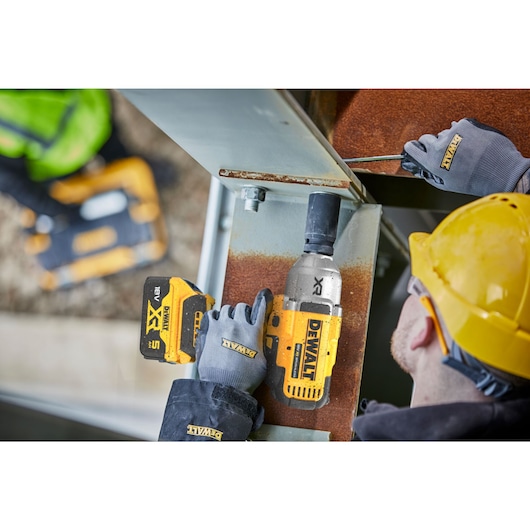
[{"x": 317, "y": 286}]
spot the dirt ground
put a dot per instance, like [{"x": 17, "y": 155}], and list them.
[{"x": 120, "y": 296}]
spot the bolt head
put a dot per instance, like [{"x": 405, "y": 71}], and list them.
[{"x": 253, "y": 193}]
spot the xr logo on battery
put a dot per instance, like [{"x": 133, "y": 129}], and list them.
[
  {"x": 154, "y": 318},
  {"x": 317, "y": 286}
]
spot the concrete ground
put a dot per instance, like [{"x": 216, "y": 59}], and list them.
[{"x": 75, "y": 351}]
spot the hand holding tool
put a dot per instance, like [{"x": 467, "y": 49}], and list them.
[
  {"x": 380, "y": 158},
  {"x": 301, "y": 334},
  {"x": 470, "y": 158}
]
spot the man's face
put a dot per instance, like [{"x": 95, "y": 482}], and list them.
[{"x": 411, "y": 314}]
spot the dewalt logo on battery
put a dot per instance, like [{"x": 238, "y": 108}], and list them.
[
  {"x": 450, "y": 152},
  {"x": 196, "y": 325},
  {"x": 312, "y": 346},
  {"x": 165, "y": 318}
]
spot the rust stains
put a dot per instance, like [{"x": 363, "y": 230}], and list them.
[
  {"x": 246, "y": 274},
  {"x": 285, "y": 179},
  {"x": 380, "y": 121}
]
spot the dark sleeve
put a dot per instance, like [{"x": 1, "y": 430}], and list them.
[
  {"x": 14, "y": 181},
  {"x": 204, "y": 411}
]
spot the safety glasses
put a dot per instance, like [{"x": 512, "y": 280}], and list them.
[{"x": 415, "y": 287}]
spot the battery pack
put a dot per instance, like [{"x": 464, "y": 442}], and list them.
[{"x": 172, "y": 310}]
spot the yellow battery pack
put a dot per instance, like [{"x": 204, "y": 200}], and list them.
[{"x": 172, "y": 311}]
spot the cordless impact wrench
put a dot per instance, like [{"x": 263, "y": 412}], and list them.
[
  {"x": 303, "y": 329},
  {"x": 304, "y": 326}
]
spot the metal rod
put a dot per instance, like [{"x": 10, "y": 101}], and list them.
[{"x": 373, "y": 158}]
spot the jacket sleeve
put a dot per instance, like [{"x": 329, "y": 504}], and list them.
[{"x": 203, "y": 411}]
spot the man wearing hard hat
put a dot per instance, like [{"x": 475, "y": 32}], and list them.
[{"x": 463, "y": 334}]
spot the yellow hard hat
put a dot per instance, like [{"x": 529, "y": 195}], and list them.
[{"x": 476, "y": 267}]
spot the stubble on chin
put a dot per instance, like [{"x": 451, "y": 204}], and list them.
[{"x": 399, "y": 347}]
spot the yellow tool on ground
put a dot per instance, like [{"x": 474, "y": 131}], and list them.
[
  {"x": 120, "y": 227},
  {"x": 303, "y": 329}
]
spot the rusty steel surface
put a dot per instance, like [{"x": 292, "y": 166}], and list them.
[
  {"x": 246, "y": 274},
  {"x": 379, "y": 121},
  {"x": 330, "y": 181}
]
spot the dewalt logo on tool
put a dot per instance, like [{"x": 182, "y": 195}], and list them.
[
  {"x": 209, "y": 432},
  {"x": 239, "y": 348},
  {"x": 312, "y": 346},
  {"x": 450, "y": 152}
]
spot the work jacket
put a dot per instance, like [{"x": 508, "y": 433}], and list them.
[
  {"x": 56, "y": 131},
  {"x": 208, "y": 412},
  {"x": 202, "y": 411},
  {"x": 48, "y": 134},
  {"x": 508, "y": 419}
]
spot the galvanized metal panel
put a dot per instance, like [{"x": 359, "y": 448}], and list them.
[{"x": 251, "y": 130}]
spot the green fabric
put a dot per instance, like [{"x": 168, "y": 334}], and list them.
[{"x": 56, "y": 131}]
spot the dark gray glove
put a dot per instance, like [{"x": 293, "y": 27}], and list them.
[
  {"x": 470, "y": 158},
  {"x": 230, "y": 344}
]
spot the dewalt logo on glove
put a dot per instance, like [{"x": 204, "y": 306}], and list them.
[
  {"x": 239, "y": 348},
  {"x": 450, "y": 152}
]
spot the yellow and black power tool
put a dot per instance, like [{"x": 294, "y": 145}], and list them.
[
  {"x": 304, "y": 326},
  {"x": 120, "y": 226},
  {"x": 303, "y": 329}
]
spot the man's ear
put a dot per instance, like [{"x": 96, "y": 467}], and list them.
[{"x": 424, "y": 335}]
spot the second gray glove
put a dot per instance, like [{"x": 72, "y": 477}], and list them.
[
  {"x": 230, "y": 344},
  {"x": 470, "y": 158}
]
